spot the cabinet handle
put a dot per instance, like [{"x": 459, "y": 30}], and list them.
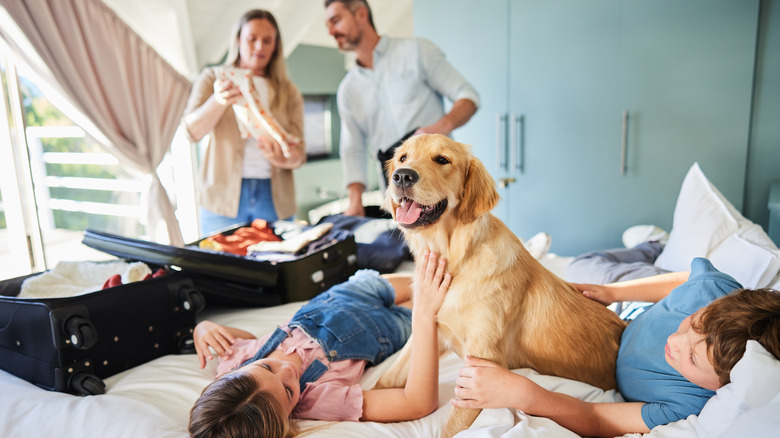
[
  {"x": 501, "y": 119},
  {"x": 624, "y": 143},
  {"x": 518, "y": 141}
]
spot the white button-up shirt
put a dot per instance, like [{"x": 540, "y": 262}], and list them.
[{"x": 403, "y": 91}]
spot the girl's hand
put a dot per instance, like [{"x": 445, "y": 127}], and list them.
[
  {"x": 431, "y": 284},
  {"x": 225, "y": 93},
  {"x": 483, "y": 384},
  {"x": 596, "y": 292},
  {"x": 208, "y": 334}
]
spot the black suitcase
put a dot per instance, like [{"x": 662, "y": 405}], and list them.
[
  {"x": 71, "y": 344},
  {"x": 230, "y": 279}
]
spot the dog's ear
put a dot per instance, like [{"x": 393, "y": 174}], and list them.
[{"x": 479, "y": 192}]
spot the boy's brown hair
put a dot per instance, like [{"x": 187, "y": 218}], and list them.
[
  {"x": 729, "y": 322},
  {"x": 233, "y": 406}
]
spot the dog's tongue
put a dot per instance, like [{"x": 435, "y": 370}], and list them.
[{"x": 408, "y": 213}]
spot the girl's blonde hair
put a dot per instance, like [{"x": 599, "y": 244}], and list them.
[
  {"x": 234, "y": 406},
  {"x": 276, "y": 71}
]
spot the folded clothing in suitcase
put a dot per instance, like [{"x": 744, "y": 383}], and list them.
[
  {"x": 254, "y": 280},
  {"x": 70, "y": 344}
]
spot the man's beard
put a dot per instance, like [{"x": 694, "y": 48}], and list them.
[{"x": 348, "y": 43}]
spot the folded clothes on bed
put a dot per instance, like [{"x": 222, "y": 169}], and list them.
[{"x": 69, "y": 279}]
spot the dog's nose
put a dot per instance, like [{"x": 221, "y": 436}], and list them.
[{"x": 404, "y": 178}]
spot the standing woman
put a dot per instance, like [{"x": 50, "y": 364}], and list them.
[{"x": 243, "y": 179}]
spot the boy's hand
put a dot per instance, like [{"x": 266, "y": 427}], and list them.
[
  {"x": 596, "y": 292},
  {"x": 483, "y": 384},
  {"x": 431, "y": 284},
  {"x": 209, "y": 334}
]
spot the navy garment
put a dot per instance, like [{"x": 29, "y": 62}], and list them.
[{"x": 383, "y": 250}]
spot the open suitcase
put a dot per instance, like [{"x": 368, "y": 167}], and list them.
[
  {"x": 70, "y": 344},
  {"x": 230, "y": 279}
]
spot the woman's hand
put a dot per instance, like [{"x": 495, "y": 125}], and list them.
[
  {"x": 483, "y": 384},
  {"x": 225, "y": 92},
  {"x": 209, "y": 334},
  {"x": 601, "y": 293},
  {"x": 274, "y": 154},
  {"x": 431, "y": 281}
]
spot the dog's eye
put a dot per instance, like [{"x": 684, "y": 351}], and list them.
[
  {"x": 402, "y": 158},
  {"x": 441, "y": 160}
]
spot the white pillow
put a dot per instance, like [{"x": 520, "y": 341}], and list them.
[
  {"x": 705, "y": 224},
  {"x": 748, "y": 255},
  {"x": 703, "y": 218},
  {"x": 746, "y": 407},
  {"x": 755, "y": 382}
]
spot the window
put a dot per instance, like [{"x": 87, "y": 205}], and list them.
[{"x": 56, "y": 182}]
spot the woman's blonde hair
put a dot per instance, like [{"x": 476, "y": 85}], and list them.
[
  {"x": 234, "y": 406},
  {"x": 276, "y": 72}
]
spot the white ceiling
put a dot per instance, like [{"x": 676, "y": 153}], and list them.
[{"x": 193, "y": 33}]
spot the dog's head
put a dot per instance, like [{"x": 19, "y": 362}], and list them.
[{"x": 434, "y": 177}]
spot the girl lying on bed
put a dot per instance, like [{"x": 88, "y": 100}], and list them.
[
  {"x": 671, "y": 359},
  {"x": 311, "y": 367}
]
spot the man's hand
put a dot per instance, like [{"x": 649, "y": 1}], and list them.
[{"x": 355, "y": 200}]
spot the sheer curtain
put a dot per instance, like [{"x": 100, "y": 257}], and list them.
[{"x": 131, "y": 98}]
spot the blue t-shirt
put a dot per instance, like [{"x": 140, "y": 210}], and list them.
[{"x": 642, "y": 372}]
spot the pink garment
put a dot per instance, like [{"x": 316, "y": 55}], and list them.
[
  {"x": 252, "y": 118},
  {"x": 335, "y": 396}
]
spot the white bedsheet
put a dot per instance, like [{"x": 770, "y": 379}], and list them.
[{"x": 154, "y": 399}]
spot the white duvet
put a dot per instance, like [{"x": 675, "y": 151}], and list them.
[{"x": 154, "y": 399}]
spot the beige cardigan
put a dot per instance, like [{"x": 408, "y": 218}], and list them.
[{"x": 219, "y": 188}]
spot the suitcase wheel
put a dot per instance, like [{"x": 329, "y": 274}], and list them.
[
  {"x": 186, "y": 345},
  {"x": 87, "y": 384},
  {"x": 81, "y": 332},
  {"x": 191, "y": 300}
]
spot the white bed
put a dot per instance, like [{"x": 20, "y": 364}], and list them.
[{"x": 154, "y": 399}]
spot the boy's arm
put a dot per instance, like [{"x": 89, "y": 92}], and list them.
[
  {"x": 420, "y": 396},
  {"x": 484, "y": 384},
  {"x": 649, "y": 289}
]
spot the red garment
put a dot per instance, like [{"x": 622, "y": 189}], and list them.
[
  {"x": 116, "y": 279},
  {"x": 240, "y": 239}
]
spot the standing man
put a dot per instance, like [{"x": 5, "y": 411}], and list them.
[{"x": 395, "y": 90}]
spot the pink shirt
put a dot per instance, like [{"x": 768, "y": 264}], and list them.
[{"x": 335, "y": 396}]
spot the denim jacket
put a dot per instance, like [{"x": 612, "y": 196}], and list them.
[{"x": 356, "y": 319}]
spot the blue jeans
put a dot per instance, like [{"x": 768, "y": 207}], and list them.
[
  {"x": 356, "y": 319},
  {"x": 256, "y": 203}
]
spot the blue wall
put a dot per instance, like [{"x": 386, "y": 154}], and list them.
[{"x": 764, "y": 150}]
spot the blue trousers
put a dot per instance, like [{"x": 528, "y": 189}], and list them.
[{"x": 256, "y": 203}]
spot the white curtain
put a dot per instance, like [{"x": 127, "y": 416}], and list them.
[{"x": 131, "y": 98}]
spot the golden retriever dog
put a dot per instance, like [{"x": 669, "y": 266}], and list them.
[{"x": 502, "y": 305}]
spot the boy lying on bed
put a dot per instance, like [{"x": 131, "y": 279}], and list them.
[
  {"x": 671, "y": 359},
  {"x": 289, "y": 374}
]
